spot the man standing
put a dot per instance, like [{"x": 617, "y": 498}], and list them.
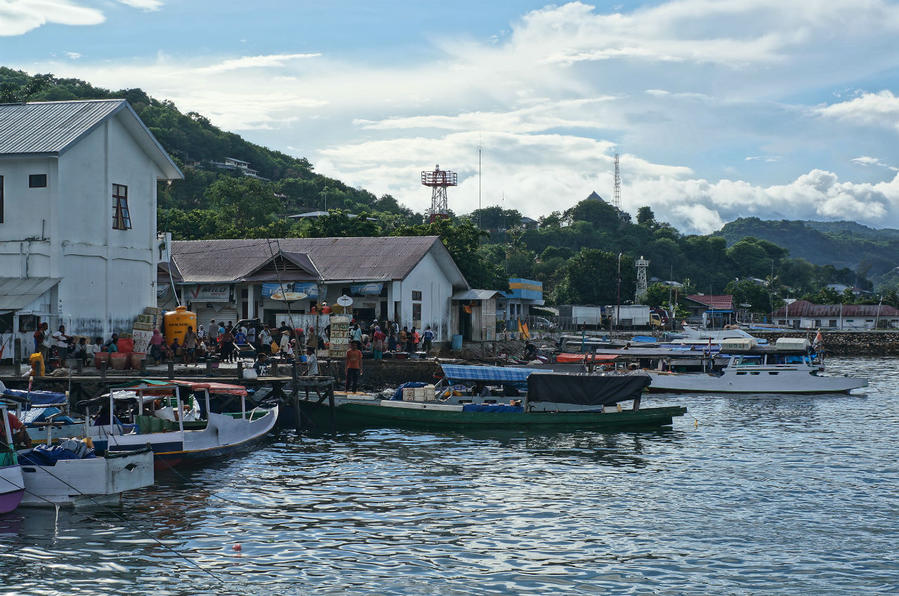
[
  {"x": 190, "y": 345},
  {"x": 428, "y": 337},
  {"x": 353, "y": 367},
  {"x": 311, "y": 363},
  {"x": 213, "y": 332}
]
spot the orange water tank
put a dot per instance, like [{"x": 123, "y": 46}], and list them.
[{"x": 176, "y": 322}]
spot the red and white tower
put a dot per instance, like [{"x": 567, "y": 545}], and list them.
[{"x": 439, "y": 180}]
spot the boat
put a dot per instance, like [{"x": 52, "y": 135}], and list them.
[
  {"x": 754, "y": 374},
  {"x": 177, "y": 429},
  {"x": 91, "y": 480},
  {"x": 549, "y": 401},
  {"x": 12, "y": 485}
]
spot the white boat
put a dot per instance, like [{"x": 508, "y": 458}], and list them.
[
  {"x": 12, "y": 486},
  {"x": 178, "y": 432},
  {"x": 748, "y": 375},
  {"x": 85, "y": 482}
]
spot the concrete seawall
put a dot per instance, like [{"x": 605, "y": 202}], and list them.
[{"x": 845, "y": 343}]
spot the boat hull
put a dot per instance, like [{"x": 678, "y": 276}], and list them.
[
  {"x": 374, "y": 415},
  {"x": 752, "y": 384},
  {"x": 12, "y": 488},
  {"x": 85, "y": 482}
]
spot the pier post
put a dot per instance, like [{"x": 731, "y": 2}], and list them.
[
  {"x": 295, "y": 398},
  {"x": 331, "y": 406},
  {"x": 239, "y": 369},
  {"x": 103, "y": 370},
  {"x": 171, "y": 370},
  {"x": 17, "y": 355}
]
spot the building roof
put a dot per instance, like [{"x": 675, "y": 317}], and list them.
[
  {"x": 477, "y": 295},
  {"x": 16, "y": 293},
  {"x": 52, "y": 127},
  {"x": 804, "y": 308},
  {"x": 713, "y": 301},
  {"x": 352, "y": 259}
]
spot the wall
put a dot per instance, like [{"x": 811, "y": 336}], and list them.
[
  {"x": 27, "y": 217},
  {"x": 847, "y": 322},
  {"x": 429, "y": 278},
  {"x": 845, "y": 343}
]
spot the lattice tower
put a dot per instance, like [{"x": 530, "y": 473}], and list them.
[
  {"x": 616, "y": 197},
  {"x": 439, "y": 180}
]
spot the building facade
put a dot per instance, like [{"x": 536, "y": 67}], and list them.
[
  {"x": 802, "y": 314},
  {"x": 78, "y": 238}
]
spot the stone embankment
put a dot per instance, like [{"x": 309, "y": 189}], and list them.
[{"x": 845, "y": 343}]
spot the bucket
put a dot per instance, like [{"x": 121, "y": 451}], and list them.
[
  {"x": 100, "y": 358},
  {"x": 136, "y": 360},
  {"x": 457, "y": 342},
  {"x": 118, "y": 360}
]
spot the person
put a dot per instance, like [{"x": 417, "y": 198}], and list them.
[
  {"x": 189, "y": 345},
  {"x": 284, "y": 343},
  {"x": 427, "y": 339},
  {"x": 230, "y": 327},
  {"x": 356, "y": 334},
  {"x": 61, "y": 341},
  {"x": 201, "y": 350},
  {"x": 156, "y": 351},
  {"x": 326, "y": 310},
  {"x": 201, "y": 332},
  {"x": 20, "y": 438},
  {"x": 80, "y": 351},
  {"x": 311, "y": 338},
  {"x": 251, "y": 336},
  {"x": 213, "y": 332},
  {"x": 113, "y": 344},
  {"x": 377, "y": 344},
  {"x": 240, "y": 338},
  {"x": 284, "y": 328},
  {"x": 301, "y": 336},
  {"x": 175, "y": 349},
  {"x": 261, "y": 363},
  {"x": 311, "y": 363},
  {"x": 410, "y": 341},
  {"x": 265, "y": 340},
  {"x": 416, "y": 339},
  {"x": 40, "y": 341},
  {"x": 353, "y": 367},
  {"x": 391, "y": 341},
  {"x": 227, "y": 345},
  {"x": 402, "y": 338},
  {"x": 530, "y": 351},
  {"x": 92, "y": 348}
]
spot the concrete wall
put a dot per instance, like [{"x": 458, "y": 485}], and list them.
[{"x": 436, "y": 291}]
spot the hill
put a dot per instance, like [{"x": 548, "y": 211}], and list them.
[{"x": 869, "y": 251}]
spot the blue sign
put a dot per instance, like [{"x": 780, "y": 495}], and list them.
[{"x": 369, "y": 289}]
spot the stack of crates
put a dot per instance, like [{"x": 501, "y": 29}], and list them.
[{"x": 143, "y": 327}]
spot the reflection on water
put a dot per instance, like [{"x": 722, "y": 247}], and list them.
[{"x": 750, "y": 494}]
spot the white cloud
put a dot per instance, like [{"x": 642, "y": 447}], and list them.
[
  {"x": 18, "y": 17},
  {"x": 872, "y": 109},
  {"x": 267, "y": 61},
  {"x": 764, "y": 158},
  {"x": 73, "y": 55},
  {"x": 148, "y": 5},
  {"x": 866, "y": 160}
]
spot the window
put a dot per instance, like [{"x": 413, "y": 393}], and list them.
[
  {"x": 121, "y": 216},
  {"x": 37, "y": 181},
  {"x": 416, "y": 313},
  {"x": 416, "y": 294},
  {"x": 833, "y": 323},
  {"x": 1, "y": 199}
]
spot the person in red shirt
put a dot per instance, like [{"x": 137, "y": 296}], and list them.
[
  {"x": 19, "y": 434},
  {"x": 353, "y": 368}
]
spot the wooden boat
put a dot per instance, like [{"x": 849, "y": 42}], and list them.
[
  {"x": 552, "y": 401},
  {"x": 174, "y": 430},
  {"x": 12, "y": 485},
  {"x": 85, "y": 482}
]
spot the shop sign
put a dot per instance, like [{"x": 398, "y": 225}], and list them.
[
  {"x": 210, "y": 294},
  {"x": 369, "y": 289}
]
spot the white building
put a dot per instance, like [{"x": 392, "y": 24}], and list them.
[
  {"x": 408, "y": 279},
  {"x": 78, "y": 238},
  {"x": 801, "y": 314}
]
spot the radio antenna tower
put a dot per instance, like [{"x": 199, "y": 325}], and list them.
[
  {"x": 616, "y": 198},
  {"x": 642, "y": 287},
  {"x": 439, "y": 180}
]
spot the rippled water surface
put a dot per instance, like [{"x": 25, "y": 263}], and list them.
[{"x": 744, "y": 495}]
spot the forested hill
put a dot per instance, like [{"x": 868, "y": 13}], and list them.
[
  {"x": 867, "y": 250},
  {"x": 291, "y": 186}
]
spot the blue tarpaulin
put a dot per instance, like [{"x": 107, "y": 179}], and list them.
[
  {"x": 499, "y": 374},
  {"x": 42, "y": 398}
]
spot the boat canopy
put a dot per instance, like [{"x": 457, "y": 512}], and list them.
[
  {"x": 568, "y": 358},
  {"x": 498, "y": 374},
  {"x": 38, "y": 398},
  {"x": 588, "y": 390},
  {"x": 149, "y": 386}
]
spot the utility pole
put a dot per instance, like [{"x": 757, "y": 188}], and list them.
[
  {"x": 618, "y": 297},
  {"x": 480, "y": 148}
]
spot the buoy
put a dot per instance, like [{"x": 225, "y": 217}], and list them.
[{"x": 237, "y": 547}]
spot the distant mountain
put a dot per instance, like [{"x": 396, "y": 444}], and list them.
[{"x": 870, "y": 251}]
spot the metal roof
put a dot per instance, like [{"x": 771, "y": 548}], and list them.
[
  {"x": 477, "y": 295},
  {"x": 804, "y": 308},
  {"x": 713, "y": 301},
  {"x": 16, "y": 292},
  {"x": 51, "y": 127},
  {"x": 336, "y": 259}
]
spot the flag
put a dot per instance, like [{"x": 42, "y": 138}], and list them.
[{"x": 526, "y": 331}]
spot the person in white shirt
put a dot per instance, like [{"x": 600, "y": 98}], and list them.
[
  {"x": 311, "y": 363},
  {"x": 61, "y": 341}
]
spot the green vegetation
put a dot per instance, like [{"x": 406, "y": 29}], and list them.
[{"x": 575, "y": 252}]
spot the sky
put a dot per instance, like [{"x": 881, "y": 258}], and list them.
[{"x": 719, "y": 109}]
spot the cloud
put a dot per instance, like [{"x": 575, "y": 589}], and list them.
[
  {"x": 18, "y": 17},
  {"x": 268, "y": 61},
  {"x": 764, "y": 158},
  {"x": 872, "y": 109},
  {"x": 73, "y": 55},
  {"x": 148, "y": 5},
  {"x": 866, "y": 160}
]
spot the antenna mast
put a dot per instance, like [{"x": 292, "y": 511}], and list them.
[
  {"x": 438, "y": 180},
  {"x": 616, "y": 198}
]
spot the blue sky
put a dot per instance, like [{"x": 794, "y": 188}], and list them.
[{"x": 719, "y": 109}]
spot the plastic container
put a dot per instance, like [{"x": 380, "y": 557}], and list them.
[
  {"x": 136, "y": 360},
  {"x": 176, "y": 323},
  {"x": 125, "y": 345},
  {"x": 457, "y": 342},
  {"x": 118, "y": 360},
  {"x": 420, "y": 394},
  {"x": 100, "y": 358},
  {"x": 409, "y": 394}
]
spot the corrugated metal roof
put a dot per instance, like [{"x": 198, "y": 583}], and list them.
[
  {"x": 804, "y": 308},
  {"x": 337, "y": 259},
  {"x": 16, "y": 292},
  {"x": 714, "y": 301},
  {"x": 50, "y": 127},
  {"x": 476, "y": 295}
]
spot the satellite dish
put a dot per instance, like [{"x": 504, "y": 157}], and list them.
[{"x": 345, "y": 301}]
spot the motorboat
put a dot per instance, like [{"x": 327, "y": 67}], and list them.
[{"x": 12, "y": 485}]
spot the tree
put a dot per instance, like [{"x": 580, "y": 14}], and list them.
[
  {"x": 645, "y": 217},
  {"x": 591, "y": 277}
]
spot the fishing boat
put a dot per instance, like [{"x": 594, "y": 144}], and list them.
[
  {"x": 545, "y": 400},
  {"x": 753, "y": 374},
  {"x": 177, "y": 428},
  {"x": 12, "y": 485}
]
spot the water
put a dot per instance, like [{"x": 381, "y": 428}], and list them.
[{"x": 745, "y": 495}]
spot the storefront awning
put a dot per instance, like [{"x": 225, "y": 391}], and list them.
[{"x": 16, "y": 293}]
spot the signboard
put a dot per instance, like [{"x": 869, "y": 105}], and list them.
[
  {"x": 340, "y": 336},
  {"x": 209, "y": 294},
  {"x": 345, "y": 301},
  {"x": 369, "y": 289},
  {"x": 283, "y": 292},
  {"x": 310, "y": 288}
]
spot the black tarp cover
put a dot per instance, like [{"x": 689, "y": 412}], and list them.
[{"x": 588, "y": 390}]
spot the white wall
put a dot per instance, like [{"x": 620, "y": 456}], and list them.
[{"x": 429, "y": 278}]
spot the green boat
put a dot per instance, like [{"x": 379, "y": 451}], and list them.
[{"x": 552, "y": 401}]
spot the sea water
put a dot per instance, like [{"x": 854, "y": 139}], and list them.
[{"x": 787, "y": 494}]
